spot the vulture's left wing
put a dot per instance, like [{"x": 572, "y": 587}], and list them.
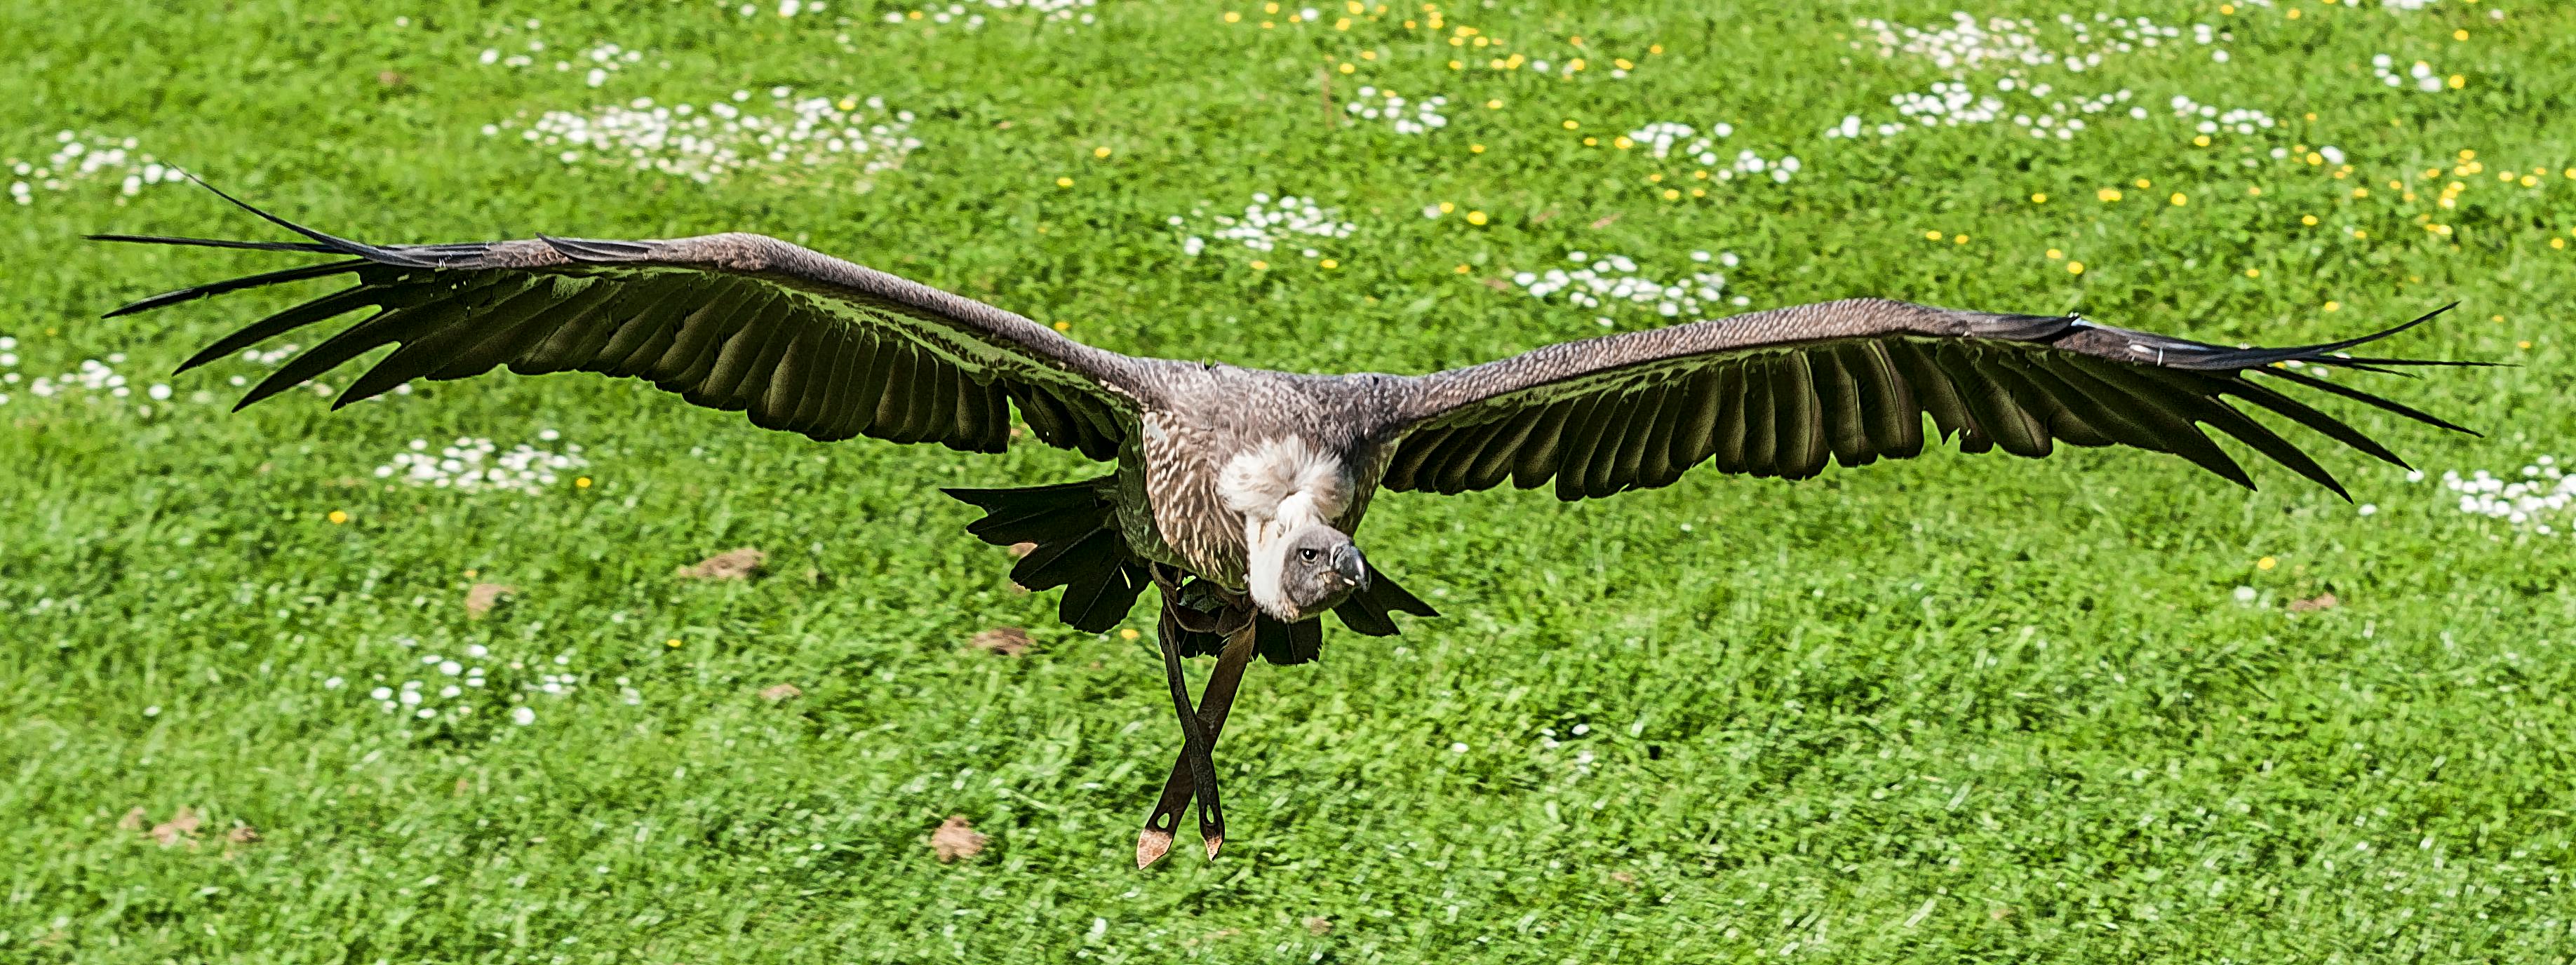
[
  {"x": 1777, "y": 393},
  {"x": 800, "y": 340}
]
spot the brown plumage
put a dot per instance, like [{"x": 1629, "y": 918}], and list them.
[{"x": 1236, "y": 491}]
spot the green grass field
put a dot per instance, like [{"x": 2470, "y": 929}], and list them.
[{"x": 1957, "y": 709}]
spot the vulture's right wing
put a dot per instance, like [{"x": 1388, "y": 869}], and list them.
[
  {"x": 805, "y": 342},
  {"x": 1777, "y": 393}
]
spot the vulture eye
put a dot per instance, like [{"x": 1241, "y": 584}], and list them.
[{"x": 1306, "y": 554}]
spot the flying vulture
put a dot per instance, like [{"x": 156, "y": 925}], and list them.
[{"x": 1236, "y": 491}]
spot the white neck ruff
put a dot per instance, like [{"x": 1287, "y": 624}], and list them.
[{"x": 1280, "y": 487}]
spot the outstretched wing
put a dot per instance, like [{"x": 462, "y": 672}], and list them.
[
  {"x": 1777, "y": 393},
  {"x": 799, "y": 340}
]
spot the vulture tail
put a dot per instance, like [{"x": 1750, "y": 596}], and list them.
[
  {"x": 1280, "y": 643},
  {"x": 1288, "y": 643},
  {"x": 1072, "y": 529}
]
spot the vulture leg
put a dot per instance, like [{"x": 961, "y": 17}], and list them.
[
  {"x": 1214, "y": 704},
  {"x": 1194, "y": 750}
]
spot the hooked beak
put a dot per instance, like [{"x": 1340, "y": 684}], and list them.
[{"x": 1351, "y": 567}]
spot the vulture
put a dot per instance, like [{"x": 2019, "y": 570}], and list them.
[{"x": 1236, "y": 492}]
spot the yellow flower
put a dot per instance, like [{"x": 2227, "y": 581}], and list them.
[
  {"x": 1230, "y": 17},
  {"x": 1446, "y": 207},
  {"x": 2459, "y": 35},
  {"x": 1064, "y": 326},
  {"x": 2179, "y": 199},
  {"x": 2334, "y": 306},
  {"x": 2075, "y": 268},
  {"x": 2358, "y": 233},
  {"x": 2054, "y": 254},
  {"x": 1475, "y": 217},
  {"x": 1328, "y": 264},
  {"x": 1064, "y": 182},
  {"x": 1933, "y": 235},
  {"x": 1703, "y": 192},
  {"x": 1655, "y": 48},
  {"x": 1656, "y": 178},
  {"x": 2039, "y": 198},
  {"x": 1466, "y": 269},
  {"x": 1672, "y": 194},
  {"x": 1591, "y": 142},
  {"x": 1348, "y": 67},
  {"x": 2468, "y": 155},
  {"x": 2558, "y": 243},
  {"x": 2227, "y": 10},
  {"x": 2526, "y": 343},
  {"x": 2266, "y": 563},
  {"x": 1570, "y": 124},
  {"x": 1475, "y": 149},
  {"x": 2200, "y": 141},
  {"x": 1260, "y": 265},
  {"x": 2253, "y": 273},
  {"x": 2144, "y": 183},
  {"x": 675, "y": 641},
  {"x": 1494, "y": 105},
  {"x": 1102, "y": 151},
  {"x": 337, "y": 517},
  {"x": 2293, "y": 14},
  {"x": 581, "y": 483},
  {"x": 1623, "y": 143},
  {"x": 1961, "y": 239},
  {"x": 1128, "y": 633},
  {"x": 2361, "y": 192},
  {"x": 2253, "y": 191},
  {"x": 2458, "y": 81},
  {"x": 2308, "y": 219},
  {"x": 2108, "y": 194}
]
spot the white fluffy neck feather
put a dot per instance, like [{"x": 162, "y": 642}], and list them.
[{"x": 1280, "y": 487}]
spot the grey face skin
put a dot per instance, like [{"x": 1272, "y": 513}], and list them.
[{"x": 1323, "y": 568}]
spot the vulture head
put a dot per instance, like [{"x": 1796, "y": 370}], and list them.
[{"x": 1319, "y": 567}]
